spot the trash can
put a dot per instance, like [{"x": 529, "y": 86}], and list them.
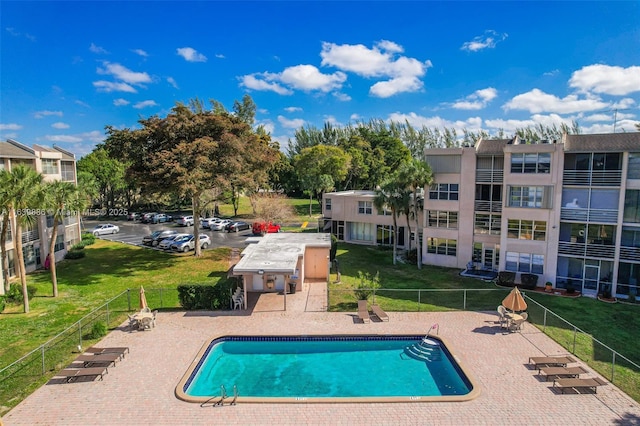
[{"x": 292, "y": 287}]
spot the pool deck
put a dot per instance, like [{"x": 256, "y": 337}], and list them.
[{"x": 140, "y": 389}]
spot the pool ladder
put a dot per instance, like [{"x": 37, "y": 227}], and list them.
[
  {"x": 223, "y": 396},
  {"x": 427, "y": 349}
]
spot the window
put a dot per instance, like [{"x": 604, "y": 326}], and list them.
[
  {"x": 444, "y": 163},
  {"x": 29, "y": 254},
  {"x": 30, "y": 233},
  {"x": 527, "y": 230},
  {"x": 634, "y": 166},
  {"x": 59, "y": 243},
  {"x": 524, "y": 262},
  {"x": 630, "y": 237},
  {"x": 594, "y": 161},
  {"x": 359, "y": 231},
  {"x": 531, "y": 162},
  {"x": 443, "y": 219},
  {"x": 384, "y": 235},
  {"x": 365, "y": 207},
  {"x": 632, "y": 206},
  {"x": 530, "y": 196},
  {"x": 441, "y": 246},
  {"x": 486, "y": 223},
  {"x": 486, "y": 192},
  {"x": 443, "y": 191},
  {"x": 50, "y": 221},
  {"x": 68, "y": 171},
  {"x": 49, "y": 167},
  {"x": 327, "y": 204}
]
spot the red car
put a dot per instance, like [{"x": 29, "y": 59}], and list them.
[{"x": 261, "y": 228}]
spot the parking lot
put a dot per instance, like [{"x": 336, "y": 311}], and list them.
[{"x": 132, "y": 232}]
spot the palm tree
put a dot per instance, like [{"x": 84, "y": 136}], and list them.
[
  {"x": 4, "y": 226},
  {"x": 390, "y": 195},
  {"x": 25, "y": 195},
  {"x": 414, "y": 176},
  {"x": 63, "y": 199}
]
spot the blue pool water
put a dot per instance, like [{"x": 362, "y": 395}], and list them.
[{"x": 325, "y": 366}]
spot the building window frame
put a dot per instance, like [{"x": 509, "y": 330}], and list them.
[
  {"x": 442, "y": 246},
  {"x": 442, "y": 219},
  {"x": 365, "y": 207},
  {"x": 327, "y": 204},
  {"x": 524, "y": 229},
  {"x": 444, "y": 191},
  {"x": 524, "y": 262},
  {"x": 531, "y": 162},
  {"x": 50, "y": 166}
]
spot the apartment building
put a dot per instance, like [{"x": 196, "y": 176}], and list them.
[
  {"x": 567, "y": 211},
  {"x": 54, "y": 164}
]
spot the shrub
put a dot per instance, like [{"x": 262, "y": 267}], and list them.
[
  {"x": 366, "y": 285},
  {"x": 98, "y": 330},
  {"x": 506, "y": 278},
  {"x": 412, "y": 256},
  {"x": 75, "y": 254},
  {"x": 88, "y": 238},
  {"x": 3, "y": 303},
  {"x": 529, "y": 281},
  {"x": 14, "y": 295},
  {"x": 80, "y": 246},
  {"x": 334, "y": 247},
  {"x": 204, "y": 296}
]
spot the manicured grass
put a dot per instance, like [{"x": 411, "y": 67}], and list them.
[{"x": 111, "y": 268}]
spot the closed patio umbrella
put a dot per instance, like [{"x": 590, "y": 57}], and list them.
[
  {"x": 514, "y": 301},
  {"x": 143, "y": 299}
]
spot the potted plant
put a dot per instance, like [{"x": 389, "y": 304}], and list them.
[
  {"x": 570, "y": 288},
  {"x": 548, "y": 287}
]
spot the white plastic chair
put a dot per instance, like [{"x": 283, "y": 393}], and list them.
[
  {"x": 153, "y": 319},
  {"x": 502, "y": 314}
]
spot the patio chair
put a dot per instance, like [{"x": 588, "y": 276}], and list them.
[
  {"x": 562, "y": 372},
  {"x": 524, "y": 315},
  {"x": 381, "y": 314},
  {"x": 146, "y": 309},
  {"x": 516, "y": 324},
  {"x": 502, "y": 316},
  {"x": 145, "y": 323},
  {"x": 90, "y": 360},
  {"x": 133, "y": 323},
  {"x": 153, "y": 319},
  {"x": 590, "y": 383},
  {"x": 74, "y": 373},
  {"x": 363, "y": 312},
  {"x": 539, "y": 362},
  {"x": 121, "y": 350}
]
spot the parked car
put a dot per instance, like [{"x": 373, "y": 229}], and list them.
[
  {"x": 146, "y": 217},
  {"x": 238, "y": 226},
  {"x": 206, "y": 222},
  {"x": 104, "y": 229},
  {"x": 160, "y": 218},
  {"x": 220, "y": 225},
  {"x": 156, "y": 237},
  {"x": 166, "y": 243},
  {"x": 261, "y": 228},
  {"x": 187, "y": 243},
  {"x": 133, "y": 216},
  {"x": 185, "y": 220}
]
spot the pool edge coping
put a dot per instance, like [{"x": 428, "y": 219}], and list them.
[{"x": 180, "y": 394}]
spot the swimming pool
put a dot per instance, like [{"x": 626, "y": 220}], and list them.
[{"x": 370, "y": 368}]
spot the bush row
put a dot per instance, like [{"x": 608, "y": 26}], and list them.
[{"x": 204, "y": 296}]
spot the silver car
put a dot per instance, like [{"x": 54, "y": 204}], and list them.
[
  {"x": 187, "y": 243},
  {"x": 165, "y": 244},
  {"x": 105, "y": 229}
]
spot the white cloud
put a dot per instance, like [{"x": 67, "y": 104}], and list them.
[
  {"x": 610, "y": 80},
  {"x": 46, "y": 113},
  {"x": 471, "y": 123},
  {"x": 551, "y": 73},
  {"x": 191, "y": 55},
  {"x": 537, "y": 101},
  {"x": 308, "y": 78},
  {"x": 381, "y": 61},
  {"x": 624, "y": 103},
  {"x": 120, "y": 102},
  {"x": 172, "y": 82},
  {"x": 145, "y": 104},
  {"x": 60, "y": 125},
  {"x": 343, "y": 97},
  {"x": 355, "y": 117},
  {"x": 268, "y": 125},
  {"x": 220, "y": 56},
  {"x": 10, "y": 126},
  {"x": 331, "y": 120},
  {"x": 16, "y": 33},
  {"x": 82, "y": 104},
  {"x": 509, "y": 126},
  {"x": 140, "y": 52},
  {"x": 97, "y": 49},
  {"x": 293, "y": 109},
  {"x": 295, "y": 123},
  {"x": 93, "y": 136},
  {"x": 260, "y": 82},
  {"x": 477, "y": 100},
  {"x": 486, "y": 41},
  {"x": 110, "y": 86},
  {"x": 63, "y": 138},
  {"x": 120, "y": 72}
]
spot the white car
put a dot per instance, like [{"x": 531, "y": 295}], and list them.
[
  {"x": 187, "y": 243},
  {"x": 165, "y": 244},
  {"x": 185, "y": 220},
  {"x": 219, "y": 225},
  {"x": 107, "y": 228},
  {"x": 206, "y": 222}
]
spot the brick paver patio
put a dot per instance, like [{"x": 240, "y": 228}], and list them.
[{"x": 140, "y": 389}]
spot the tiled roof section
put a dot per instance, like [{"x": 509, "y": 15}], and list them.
[
  {"x": 491, "y": 146},
  {"x": 66, "y": 155},
  {"x": 13, "y": 149},
  {"x": 610, "y": 142},
  {"x": 43, "y": 148}
]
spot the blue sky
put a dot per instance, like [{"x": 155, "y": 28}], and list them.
[{"x": 68, "y": 69}]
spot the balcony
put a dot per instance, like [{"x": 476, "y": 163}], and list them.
[
  {"x": 488, "y": 206},
  {"x": 589, "y": 250},
  {"x": 589, "y": 215},
  {"x": 489, "y": 176},
  {"x": 630, "y": 253},
  {"x": 592, "y": 177}
]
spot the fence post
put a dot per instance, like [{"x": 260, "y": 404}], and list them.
[
  {"x": 575, "y": 334},
  {"x": 129, "y": 299},
  {"x": 544, "y": 321},
  {"x": 613, "y": 365},
  {"x": 80, "y": 332},
  {"x": 107, "y": 315},
  {"x": 43, "y": 368},
  {"x": 464, "y": 300},
  {"x": 161, "y": 303},
  {"x": 419, "y": 294}
]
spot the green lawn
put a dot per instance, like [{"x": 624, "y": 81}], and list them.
[{"x": 111, "y": 268}]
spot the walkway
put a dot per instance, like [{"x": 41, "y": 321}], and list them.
[{"x": 140, "y": 390}]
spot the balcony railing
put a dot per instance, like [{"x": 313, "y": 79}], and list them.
[
  {"x": 592, "y": 177},
  {"x": 590, "y": 250},
  {"x": 589, "y": 215},
  {"x": 490, "y": 176},
  {"x": 630, "y": 253},
  {"x": 488, "y": 206}
]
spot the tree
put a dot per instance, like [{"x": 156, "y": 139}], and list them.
[
  {"x": 391, "y": 195},
  {"x": 62, "y": 199},
  {"x": 319, "y": 167},
  {"x": 109, "y": 175},
  {"x": 25, "y": 197},
  {"x": 414, "y": 176},
  {"x": 5, "y": 206}
]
